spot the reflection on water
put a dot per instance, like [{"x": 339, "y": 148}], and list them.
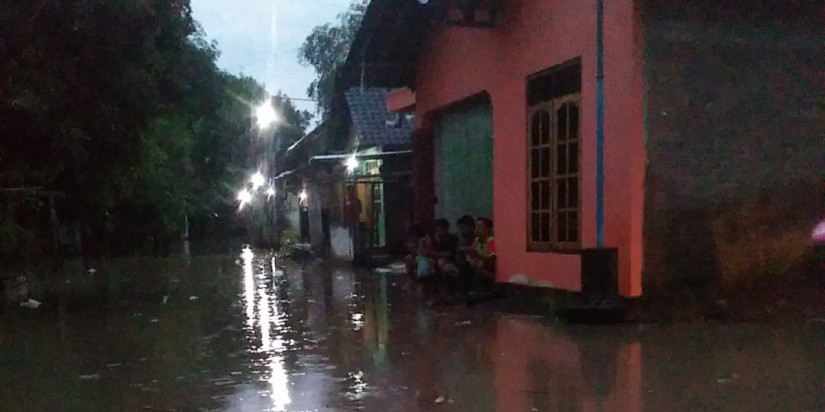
[{"x": 263, "y": 335}]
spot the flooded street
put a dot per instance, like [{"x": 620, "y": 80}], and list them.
[{"x": 241, "y": 333}]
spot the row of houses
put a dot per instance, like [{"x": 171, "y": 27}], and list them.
[
  {"x": 364, "y": 146},
  {"x": 619, "y": 146}
]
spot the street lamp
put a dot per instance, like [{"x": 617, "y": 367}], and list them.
[
  {"x": 257, "y": 180},
  {"x": 244, "y": 197},
  {"x": 265, "y": 114},
  {"x": 351, "y": 163}
]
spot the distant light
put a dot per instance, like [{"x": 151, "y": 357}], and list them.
[
  {"x": 270, "y": 192},
  {"x": 265, "y": 115},
  {"x": 303, "y": 195},
  {"x": 257, "y": 180},
  {"x": 351, "y": 163},
  {"x": 244, "y": 197}
]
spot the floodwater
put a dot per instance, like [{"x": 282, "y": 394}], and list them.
[{"x": 240, "y": 333}]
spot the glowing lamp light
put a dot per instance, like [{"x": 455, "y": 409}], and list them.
[
  {"x": 818, "y": 234},
  {"x": 351, "y": 163},
  {"x": 257, "y": 180},
  {"x": 265, "y": 115},
  {"x": 303, "y": 195},
  {"x": 244, "y": 197},
  {"x": 270, "y": 192}
]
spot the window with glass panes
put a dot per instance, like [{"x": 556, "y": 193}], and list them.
[{"x": 554, "y": 158}]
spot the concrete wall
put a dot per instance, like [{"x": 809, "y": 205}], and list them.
[
  {"x": 534, "y": 35},
  {"x": 735, "y": 144}
]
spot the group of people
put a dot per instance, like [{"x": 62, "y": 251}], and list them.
[{"x": 458, "y": 264}]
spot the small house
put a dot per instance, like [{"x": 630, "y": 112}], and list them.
[{"x": 619, "y": 146}]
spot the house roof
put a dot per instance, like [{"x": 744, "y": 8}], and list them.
[
  {"x": 372, "y": 123},
  {"x": 387, "y": 45},
  {"x": 312, "y": 135}
]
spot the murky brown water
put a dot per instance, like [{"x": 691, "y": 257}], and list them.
[{"x": 239, "y": 334}]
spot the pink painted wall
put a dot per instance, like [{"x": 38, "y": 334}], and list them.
[{"x": 534, "y": 35}]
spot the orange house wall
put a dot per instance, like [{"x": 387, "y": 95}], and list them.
[{"x": 533, "y": 35}]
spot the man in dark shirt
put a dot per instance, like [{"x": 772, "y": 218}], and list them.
[
  {"x": 352, "y": 218},
  {"x": 467, "y": 235},
  {"x": 459, "y": 272},
  {"x": 444, "y": 245}
]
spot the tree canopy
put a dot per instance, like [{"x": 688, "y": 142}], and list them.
[
  {"x": 120, "y": 106},
  {"x": 326, "y": 49}
]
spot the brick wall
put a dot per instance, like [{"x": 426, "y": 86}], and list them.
[{"x": 735, "y": 146}]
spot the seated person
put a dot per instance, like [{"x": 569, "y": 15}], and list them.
[
  {"x": 460, "y": 269},
  {"x": 413, "y": 244},
  {"x": 482, "y": 254},
  {"x": 443, "y": 246}
]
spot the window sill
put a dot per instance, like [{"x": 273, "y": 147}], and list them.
[{"x": 577, "y": 250}]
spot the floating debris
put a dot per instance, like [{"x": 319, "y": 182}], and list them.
[
  {"x": 90, "y": 377},
  {"x": 193, "y": 298},
  {"x": 222, "y": 381},
  {"x": 165, "y": 299},
  {"x": 30, "y": 304},
  {"x": 439, "y": 400},
  {"x": 112, "y": 365}
]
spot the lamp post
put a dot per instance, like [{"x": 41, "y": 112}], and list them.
[{"x": 265, "y": 116}]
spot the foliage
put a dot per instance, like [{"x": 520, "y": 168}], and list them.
[
  {"x": 326, "y": 49},
  {"x": 120, "y": 106}
]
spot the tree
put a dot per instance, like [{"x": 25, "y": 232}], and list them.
[
  {"x": 81, "y": 82},
  {"x": 120, "y": 105},
  {"x": 326, "y": 49},
  {"x": 293, "y": 122}
]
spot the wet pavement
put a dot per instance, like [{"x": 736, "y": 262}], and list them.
[{"x": 242, "y": 333}]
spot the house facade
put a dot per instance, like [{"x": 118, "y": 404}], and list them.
[
  {"x": 368, "y": 151},
  {"x": 700, "y": 109}
]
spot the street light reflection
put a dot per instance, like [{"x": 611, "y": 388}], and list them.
[
  {"x": 270, "y": 326},
  {"x": 249, "y": 286}
]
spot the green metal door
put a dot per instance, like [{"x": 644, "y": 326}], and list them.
[{"x": 464, "y": 162}]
